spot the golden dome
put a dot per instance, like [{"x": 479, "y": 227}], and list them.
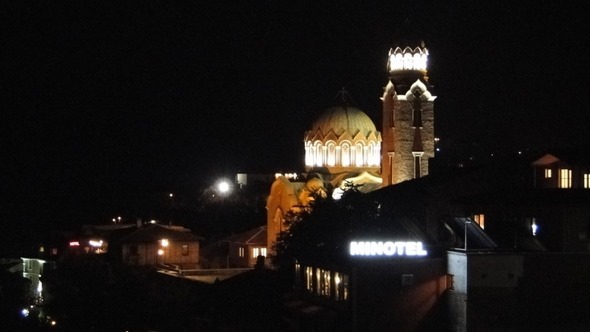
[{"x": 343, "y": 119}]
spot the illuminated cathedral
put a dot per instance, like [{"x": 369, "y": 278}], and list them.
[{"x": 343, "y": 146}]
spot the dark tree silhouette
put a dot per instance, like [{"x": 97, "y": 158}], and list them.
[{"x": 319, "y": 231}]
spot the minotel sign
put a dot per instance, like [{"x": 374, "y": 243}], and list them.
[{"x": 387, "y": 248}]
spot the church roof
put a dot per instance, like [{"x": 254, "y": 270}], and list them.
[{"x": 344, "y": 119}]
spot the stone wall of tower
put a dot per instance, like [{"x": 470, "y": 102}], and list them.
[
  {"x": 403, "y": 160},
  {"x": 400, "y": 139},
  {"x": 427, "y": 134}
]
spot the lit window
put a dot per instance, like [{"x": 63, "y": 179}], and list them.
[
  {"x": 359, "y": 155},
  {"x": 548, "y": 173},
  {"x": 319, "y": 155},
  {"x": 587, "y": 180},
  {"x": 340, "y": 286},
  {"x": 318, "y": 276},
  {"x": 408, "y": 61},
  {"x": 241, "y": 252},
  {"x": 565, "y": 178},
  {"x": 325, "y": 283},
  {"x": 480, "y": 220},
  {"x": 258, "y": 252},
  {"x": 309, "y": 278},
  {"x": 331, "y": 154},
  {"x": 345, "y": 155},
  {"x": 297, "y": 271},
  {"x": 185, "y": 249}
]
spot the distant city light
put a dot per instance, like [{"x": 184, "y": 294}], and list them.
[
  {"x": 534, "y": 227},
  {"x": 290, "y": 176},
  {"x": 95, "y": 243},
  {"x": 24, "y": 312},
  {"x": 223, "y": 187}
]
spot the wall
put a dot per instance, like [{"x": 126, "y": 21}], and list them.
[{"x": 508, "y": 291}]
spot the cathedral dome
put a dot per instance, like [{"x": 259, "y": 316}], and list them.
[
  {"x": 343, "y": 139},
  {"x": 343, "y": 119}
]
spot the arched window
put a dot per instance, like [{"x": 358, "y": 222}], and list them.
[
  {"x": 397, "y": 62},
  {"x": 418, "y": 61},
  {"x": 345, "y": 158},
  {"x": 308, "y": 154},
  {"x": 331, "y": 161},
  {"x": 408, "y": 61},
  {"x": 319, "y": 151},
  {"x": 372, "y": 154},
  {"x": 358, "y": 155}
]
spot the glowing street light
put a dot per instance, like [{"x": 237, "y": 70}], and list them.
[{"x": 223, "y": 187}]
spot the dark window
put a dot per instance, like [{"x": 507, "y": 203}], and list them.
[{"x": 417, "y": 112}]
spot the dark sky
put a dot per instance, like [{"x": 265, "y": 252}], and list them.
[{"x": 108, "y": 104}]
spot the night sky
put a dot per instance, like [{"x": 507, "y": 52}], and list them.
[{"x": 108, "y": 104}]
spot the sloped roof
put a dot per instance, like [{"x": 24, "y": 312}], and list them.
[
  {"x": 153, "y": 233},
  {"x": 579, "y": 155},
  {"x": 253, "y": 236}
]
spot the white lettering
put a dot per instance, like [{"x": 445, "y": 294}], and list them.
[
  {"x": 419, "y": 250},
  {"x": 389, "y": 248},
  {"x": 400, "y": 248}
]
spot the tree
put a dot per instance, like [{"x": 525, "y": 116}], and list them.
[{"x": 320, "y": 231}]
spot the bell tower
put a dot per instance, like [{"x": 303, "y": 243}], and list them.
[{"x": 408, "y": 116}]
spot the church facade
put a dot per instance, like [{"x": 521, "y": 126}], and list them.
[{"x": 344, "y": 147}]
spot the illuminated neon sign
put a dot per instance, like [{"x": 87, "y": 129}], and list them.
[{"x": 387, "y": 248}]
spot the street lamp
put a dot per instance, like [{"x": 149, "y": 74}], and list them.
[{"x": 223, "y": 187}]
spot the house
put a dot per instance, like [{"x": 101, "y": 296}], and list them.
[
  {"x": 245, "y": 248},
  {"x": 565, "y": 168},
  {"x": 237, "y": 251},
  {"x": 161, "y": 245}
]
